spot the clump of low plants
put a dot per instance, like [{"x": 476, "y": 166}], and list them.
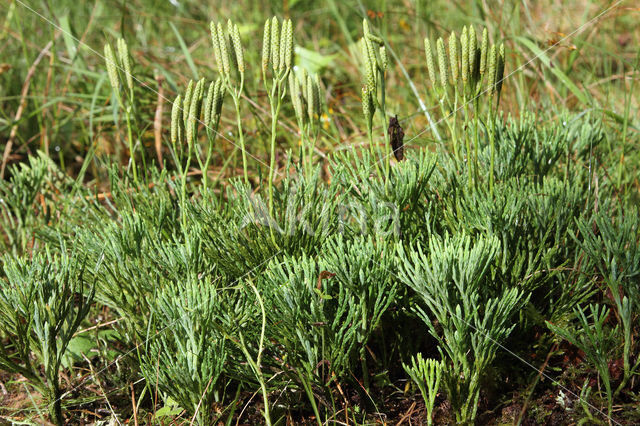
[{"x": 43, "y": 301}]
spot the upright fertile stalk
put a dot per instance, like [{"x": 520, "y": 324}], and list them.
[
  {"x": 185, "y": 117},
  {"x": 464, "y": 57},
  {"x": 123, "y": 62},
  {"x": 229, "y": 56},
  {"x": 453, "y": 56},
  {"x": 474, "y": 75},
  {"x": 464, "y": 44},
  {"x": 449, "y": 114},
  {"x": 439, "y": 84},
  {"x": 305, "y": 97},
  {"x": 112, "y": 69},
  {"x": 430, "y": 64},
  {"x": 279, "y": 54},
  {"x": 299, "y": 108},
  {"x": 375, "y": 63},
  {"x": 481, "y": 57},
  {"x": 442, "y": 65},
  {"x": 176, "y": 128},
  {"x": 382, "y": 69},
  {"x": 491, "y": 81},
  {"x": 484, "y": 51},
  {"x": 499, "y": 76},
  {"x": 464, "y": 67},
  {"x": 212, "y": 113},
  {"x": 368, "y": 99},
  {"x": 500, "y": 72},
  {"x": 313, "y": 112},
  {"x": 368, "y": 110}
]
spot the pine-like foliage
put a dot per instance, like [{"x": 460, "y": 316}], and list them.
[
  {"x": 452, "y": 278},
  {"x": 341, "y": 298},
  {"x": 43, "y": 300},
  {"x": 186, "y": 352},
  {"x": 243, "y": 236}
]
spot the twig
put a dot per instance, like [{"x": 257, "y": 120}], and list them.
[
  {"x": 344, "y": 397},
  {"x": 103, "y": 394},
  {"x": 193, "y": 419},
  {"x": 133, "y": 403},
  {"x": 23, "y": 102},
  {"x": 104, "y": 324},
  {"x": 535, "y": 382},
  {"x": 408, "y": 414}
]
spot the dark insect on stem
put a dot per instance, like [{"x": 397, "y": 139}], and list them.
[{"x": 396, "y": 135}]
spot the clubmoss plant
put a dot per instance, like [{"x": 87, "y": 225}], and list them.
[
  {"x": 277, "y": 50},
  {"x": 128, "y": 249},
  {"x": 228, "y": 52},
  {"x": 362, "y": 269},
  {"x": 591, "y": 338},
  {"x": 612, "y": 246},
  {"x": 426, "y": 374},
  {"x": 123, "y": 93},
  {"x": 462, "y": 71},
  {"x": 452, "y": 281},
  {"x": 296, "y": 310},
  {"x": 186, "y": 361},
  {"x": 343, "y": 296},
  {"x": 305, "y": 97},
  {"x": 43, "y": 301},
  {"x": 212, "y": 113},
  {"x": 375, "y": 63},
  {"x": 24, "y": 199}
]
